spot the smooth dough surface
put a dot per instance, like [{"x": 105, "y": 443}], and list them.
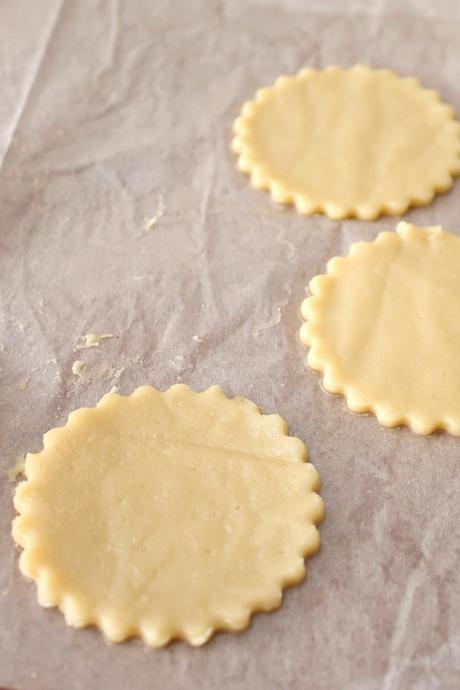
[
  {"x": 383, "y": 325},
  {"x": 348, "y": 142},
  {"x": 167, "y": 515}
]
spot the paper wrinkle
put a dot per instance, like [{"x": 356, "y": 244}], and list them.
[
  {"x": 31, "y": 80},
  {"x": 396, "y": 659},
  {"x": 113, "y": 42}
]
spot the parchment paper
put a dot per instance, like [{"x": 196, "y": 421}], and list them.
[{"x": 110, "y": 113}]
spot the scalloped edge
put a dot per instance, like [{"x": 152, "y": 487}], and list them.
[
  {"x": 78, "y": 613},
  {"x": 310, "y": 335},
  {"x": 261, "y": 178}
]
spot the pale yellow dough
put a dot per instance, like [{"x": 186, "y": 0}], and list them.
[
  {"x": 383, "y": 326},
  {"x": 357, "y": 142},
  {"x": 167, "y": 515}
]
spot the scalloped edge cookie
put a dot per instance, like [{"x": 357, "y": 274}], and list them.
[
  {"x": 279, "y": 447},
  {"x": 321, "y": 359},
  {"x": 262, "y": 178}
]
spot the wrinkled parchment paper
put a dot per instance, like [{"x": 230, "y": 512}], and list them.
[{"x": 121, "y": 212}]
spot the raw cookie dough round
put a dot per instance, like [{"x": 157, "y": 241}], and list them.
[
  {"x": 383, "y": 327},
  {"x": 167, "y": 515},
  {"x": 348, "y": 142}
]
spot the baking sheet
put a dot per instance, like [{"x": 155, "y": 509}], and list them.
[{"x": 112, "y": 113}]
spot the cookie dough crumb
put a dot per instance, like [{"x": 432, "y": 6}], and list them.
[
  {"x": 86, "y": 374},
  {"x": 22, "y": 383},
  {"x": 19, "y": 325},
  {"x": 18, "y": 469},
  {"x": 38, "y": 183},
  {"x": 114, "y": 389},
  {"x": 197, "y": 339},
  {"x": 79, "y": 369},
  {"x": 150, "y": 223},
  {"x": 93, "y": 340}
]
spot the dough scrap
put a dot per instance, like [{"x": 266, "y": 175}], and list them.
[
  {"x": 355, "y": 142},
  {"x": 167, "y": 515},
  {"x": 92, "y": 340},
  {"x": 79, "y": 368},
  {"x": 383, "y": 328}
]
